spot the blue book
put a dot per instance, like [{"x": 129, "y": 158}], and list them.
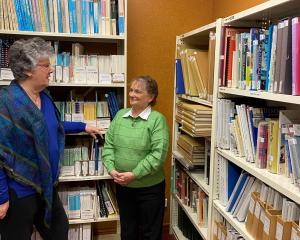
[
  {"x": 269, "y": 47},
  {"x": 96, "y": 14},
  {"x": 19, "y": 15},
  {"x": 238, "y": 190},
  {"x": 233, "y": 173},
  {"x": 180, "y": 89},
  {"x": 91, "y": 17},
  {"x": 59, "y": 16},
  {"x": 110, "y": 107},
  {"x": 83, "y": 17},
  {"x": 115, "y": 101},
  {"x": 121, "y": 13},
  {"x": 28, "y": 21}
]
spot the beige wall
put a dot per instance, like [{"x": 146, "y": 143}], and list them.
[
  {"x": 224, "y": 8},
  {"x": 152, "y": 28}
]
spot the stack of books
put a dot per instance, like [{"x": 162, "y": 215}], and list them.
[
  {"x": 194, "y": 118},
  {"x": 193, "y": 149}
]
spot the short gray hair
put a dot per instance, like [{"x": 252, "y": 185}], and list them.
[
  {"x": 150, "y": 85},
  {"x": 24, "y": 55}
]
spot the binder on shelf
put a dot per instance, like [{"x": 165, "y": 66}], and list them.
[{"x": 180, "y": 89}]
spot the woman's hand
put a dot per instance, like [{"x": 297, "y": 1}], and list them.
[
  {"x": 125, "y": 178},
  {"x": 94, "y": 130},
  {"x": 3, "y": 209}
]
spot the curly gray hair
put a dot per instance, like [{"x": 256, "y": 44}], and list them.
[
  {"x": 24, "y": 55},
  {"x": 150, "y": 86}
]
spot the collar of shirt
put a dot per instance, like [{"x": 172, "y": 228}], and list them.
[{"x": 144, "y": 114}]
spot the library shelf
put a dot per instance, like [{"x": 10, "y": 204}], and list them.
[
  {"x": 278, "y": 182},
  {"x": 84, "y": 178},
  {"x": 195, "y": 100},
  {"x": 198, "y": 177},
  {"x": 66, "y": 36},
  {"x": 111, "y": 85},
  {"x": 178, "y": 234},
  {"x": 271, "y": 9},
  {"x": 261, "y": 95},
  {"x": 192, "y": 216},
  {"x": 187, "y": 164},
  {"x": 114, "y": 217},
  {"x": 239, "y": 226}
]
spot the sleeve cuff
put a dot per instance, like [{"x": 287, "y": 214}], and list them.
[
  {"x": 4, "y": 198},
  {"x": 136, "y": 173}
]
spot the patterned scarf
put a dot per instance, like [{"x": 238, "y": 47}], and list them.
[{"x": 24, "y": 143}]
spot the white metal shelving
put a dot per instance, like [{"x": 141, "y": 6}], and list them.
[
  {"x": 83, "y": 178},
  {"x": 114, "y": 217},
  {"x": 269, "y": 10},
  {"x": 192, "y": 216},
  {"x": 239, "y": 226},
  {"x": 283, "y": 98}
]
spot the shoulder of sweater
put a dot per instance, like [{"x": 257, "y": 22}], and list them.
[{"x": 156, "y": 114}]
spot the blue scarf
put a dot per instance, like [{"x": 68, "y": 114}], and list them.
[{"x": 24, "y": 143}]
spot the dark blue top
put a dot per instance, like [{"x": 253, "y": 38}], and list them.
[{"x": 48, "y": 110}]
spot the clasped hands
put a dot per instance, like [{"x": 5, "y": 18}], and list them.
[{"x": 123, "y": 178}]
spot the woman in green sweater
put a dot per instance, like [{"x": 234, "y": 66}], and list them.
[{"x": 135, "y": 149}]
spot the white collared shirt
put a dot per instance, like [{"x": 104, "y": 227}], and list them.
[{"x": 144, "y": 114}]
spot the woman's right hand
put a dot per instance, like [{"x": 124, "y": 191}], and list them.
[{"x": 3, "y": 209}]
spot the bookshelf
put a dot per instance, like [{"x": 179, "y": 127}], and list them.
[
  {"x": 196, "y": 172},
  {"x": 100, "y": 43},
  {"x": 258, "y": 16}
]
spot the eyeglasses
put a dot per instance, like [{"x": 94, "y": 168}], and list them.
[{"x": 46, "y": 66}]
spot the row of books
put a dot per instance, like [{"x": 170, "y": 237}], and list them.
[
  {"x": 195, "y": 119},
  {"x": 89, "y": 202},
  {"x": 80, "y": 232},
  {"x": 222, "y": 230},
  {"x": 268, "y": 137},
  {"x": 266, "y": 213},
  {"x": 191, "y": 195},
  {"x": 90, "y": 69},
  {"x": 89, "y": 110},
  {"x": 194, "y": 70},
  {"x": 192, "y": 149},
  {"x": 76, "y": 232},
  {"x": 262, "y": 59},
  {"x": 105, "y": 17},
  {"x": 185, "y": 226},
  {"x": 78, "y": 162}
]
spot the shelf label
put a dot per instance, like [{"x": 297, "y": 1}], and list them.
[
  {"x": 267, "y": 225},
  {"x": 279, "y": 231}
]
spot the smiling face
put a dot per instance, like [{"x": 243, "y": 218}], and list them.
[
  {"x": 139, "y": 98},
  {"x": 39, "y": 76}
]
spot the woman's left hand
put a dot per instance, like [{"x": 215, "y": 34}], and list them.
[
  {"x": 125, "y": 178},
  {"x": 94, "y": 130}
]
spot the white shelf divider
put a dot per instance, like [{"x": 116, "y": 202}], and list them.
[
  {"x": 239, "y": 226},
  {"x": 261, "y": 95},
  {"x": 196, "y": 100},
  {"x": 193, "y": 217},
  {"x": 114, "y": 217},
  {"x": 278, "y": 182},
  {"x": 82, "y": 178},
  {"x": 67, "y": 36}
]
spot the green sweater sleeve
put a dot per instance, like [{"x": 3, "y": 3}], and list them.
[
  {"x": 108, "y": 155},
  {"x": 159, "y": 149}
]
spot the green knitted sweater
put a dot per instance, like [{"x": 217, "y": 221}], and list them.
[{"x": 137, "y": 145}]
